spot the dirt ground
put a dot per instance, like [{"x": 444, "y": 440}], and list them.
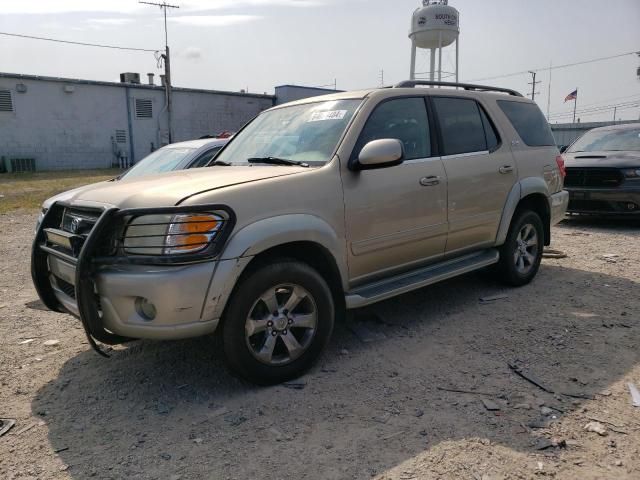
[{"x": 377, "y": 404}]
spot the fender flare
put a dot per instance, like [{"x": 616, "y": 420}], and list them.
[
  {"x": 521, "y": 189},
  {"x": 272, "y": 232}
]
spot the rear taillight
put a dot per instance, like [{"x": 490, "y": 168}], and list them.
[{"x": 560, "y": 162}]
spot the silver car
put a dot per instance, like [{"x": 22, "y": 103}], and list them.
[{"x": 176, "y": 156}]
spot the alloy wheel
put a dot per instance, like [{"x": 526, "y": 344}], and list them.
[
  {"x": 281, "y": 324},
  {"x": 526, "y": 250}
]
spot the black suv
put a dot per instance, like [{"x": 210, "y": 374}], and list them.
[{"x": 603, "y": 171}]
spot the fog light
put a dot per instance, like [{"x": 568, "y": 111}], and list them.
[
  {"x": 145, "y": 308},
  {"x": 631, "y": 206}
]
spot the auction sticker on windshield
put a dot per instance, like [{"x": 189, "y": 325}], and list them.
[{"x": 327, "y": 115}]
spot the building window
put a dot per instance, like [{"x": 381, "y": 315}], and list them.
[
  {"x": 144, "y": 108},
  {"x": 6, "y": 102},
  {"x": 121, "y": 136}
]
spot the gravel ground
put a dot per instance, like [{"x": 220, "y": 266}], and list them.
[{"x": 377, "y": 408}]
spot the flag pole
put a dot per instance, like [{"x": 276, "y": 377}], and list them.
[
  {"x": 549, "y": 94},
  {"x": 575, "y": 102}
]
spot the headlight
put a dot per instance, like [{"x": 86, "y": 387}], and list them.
[
  {"x": 171, "y": 234},
  {"x": 632, "y": 173}
]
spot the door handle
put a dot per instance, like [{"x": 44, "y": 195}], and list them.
[
  {"x": 505, "y": 169},
  {"x": 430, "y": 181}
]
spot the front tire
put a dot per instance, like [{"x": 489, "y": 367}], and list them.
[
  {"x": 278, "y": 321},
  {"x": 521, "y": 253}
]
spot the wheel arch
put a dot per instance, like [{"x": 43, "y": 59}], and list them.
[
  {"x": 531, "y": 193},
  {"x": 305, "y": 238}
]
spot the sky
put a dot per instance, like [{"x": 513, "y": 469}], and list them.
[{"x": 258, "y": 44}]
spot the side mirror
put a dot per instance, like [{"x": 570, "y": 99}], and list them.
[
  {"x": 384, "y": 152},
  {"x": 563, "y": 148}
]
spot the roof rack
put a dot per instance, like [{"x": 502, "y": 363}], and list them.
[{"x": 465, "y": 86}]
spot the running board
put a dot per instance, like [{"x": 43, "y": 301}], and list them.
[{"x": 399, "y": 284}]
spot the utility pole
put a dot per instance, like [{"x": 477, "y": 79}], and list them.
[
  {"x": 533, "y": 85},
  {"x": 382, "y": 77},
  {"x": 167, "y": 62},
  {"x": 614, "y": 114}
]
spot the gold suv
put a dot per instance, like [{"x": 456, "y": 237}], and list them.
[{"x": 315, "y": 206}]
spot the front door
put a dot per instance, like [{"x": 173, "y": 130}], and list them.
[
  {"x": 396, "y": 216},
  {"x": 480, "y": 172}
]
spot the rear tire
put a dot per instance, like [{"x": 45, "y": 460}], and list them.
[
  {"x": 277, "y": 322},
  {"x": 521, "y": 253}
]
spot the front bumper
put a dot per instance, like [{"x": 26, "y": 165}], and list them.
[
  {"x": 188, "y": 298},
  {"x": 614, "y": 201}
]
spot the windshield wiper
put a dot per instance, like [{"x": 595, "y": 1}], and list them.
[
  {"x": 219, "y": 163},
  {"x": 276, "y": 161}
]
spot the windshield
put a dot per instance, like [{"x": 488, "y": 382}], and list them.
[
  {"x": 305, "y": 133},
  {"x": 608, "y": 140},
  {"x": 162, "y": 160}
]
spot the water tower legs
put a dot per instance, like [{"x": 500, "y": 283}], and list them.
[
  {"x": 457, "y": 49},
  {"x": 440, "y": 56},
  {"x": 412, "y": 72},
  {"x": 432, "y": 64}
]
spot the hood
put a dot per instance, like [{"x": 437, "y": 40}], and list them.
[
  {"x": 622, "y": 159},
  {"x": 69, "y": 194},
  {"x": 171, "y": 188}
]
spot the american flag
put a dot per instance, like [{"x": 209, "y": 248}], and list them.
[{"x": 572, "y": 96}]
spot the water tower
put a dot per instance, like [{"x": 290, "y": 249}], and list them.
[{"x": 434, "y": 26}]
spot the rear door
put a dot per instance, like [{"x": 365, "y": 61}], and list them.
[
  {"x": 480, "y": 172},
  {"x": 396, "y": 216}
]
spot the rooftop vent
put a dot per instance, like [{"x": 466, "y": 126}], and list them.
[
  {"x": 150, "y": 75},
  {"x": 129, "y": 77}
]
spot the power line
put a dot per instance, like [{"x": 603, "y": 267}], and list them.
[
  {"x": 632, "y": 98},
  {"x": 557, "y": 67},
  {"x": 602, "y": 107},
  {"x": 589, "y": 114},
  {"x": 594, "y": 110},
  {"x": 76, "y": 43}
]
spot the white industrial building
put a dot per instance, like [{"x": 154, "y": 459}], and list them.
[{"x": 51, "y": 123}]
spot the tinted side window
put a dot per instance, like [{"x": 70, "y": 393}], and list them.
[
  {"x": 489, "y": 131},
  {"x": 460, "y": 125},
  {"x": 404, "y": 119},
  {"x": 529, "y": 122}
]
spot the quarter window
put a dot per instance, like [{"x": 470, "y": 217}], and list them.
[
  {"x": 529, "y": 122},
  {"x": 404, "y": 119},
  {"x": 205, "y": 157},
  {"x": 461, "y": 125}
]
